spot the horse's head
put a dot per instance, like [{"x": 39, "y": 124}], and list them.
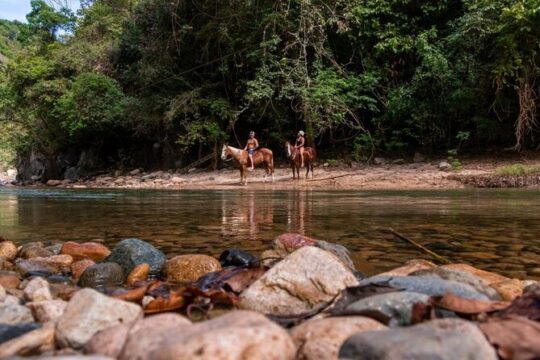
[
  {"x": 225, "y": 153},
  {"x": 288, "y": 150}
]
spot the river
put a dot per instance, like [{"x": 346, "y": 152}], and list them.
[{"x": 495, "y": 230}]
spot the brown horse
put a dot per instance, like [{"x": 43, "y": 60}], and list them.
[
  {"x": 293, "y": 155},
  {"x": 262, "y": 156}
]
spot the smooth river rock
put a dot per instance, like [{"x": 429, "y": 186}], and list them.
[
  {"x": 431, "y": 286},
  {"x": 397, "y": 306},
  {"x": 443, "y": 339},
  {"x": 102, "y": 275},
  {"x": 48, "y": 310},
  {"x": 234, "y": 336},
  {"x": 9, "y": 279},
  {"x": 139, "y": 273},
  {"x": 89, "y": 250},
  {"x": 461, "y": 277},
  {"x": 13, "y": 313},
  {"x": 37, "y": 289},
  {"x": 322, "y": 338},
  {"x": 129, "y": 253},
  {"x": 78, "y": 268},
  {"x": 50, "y": 264},
  {"x": 33, "y": 249},
  {"x": 88, "y": 312},
  {"x": 305, "y": 279},
  {"x": 184, "y": 268},
  {"x": 508, "y": 289},
  {"x": 147, "y": 334},
  {"x": 236, "y": 257}
]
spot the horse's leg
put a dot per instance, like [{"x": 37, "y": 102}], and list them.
[{"x": 307, "y": 169}]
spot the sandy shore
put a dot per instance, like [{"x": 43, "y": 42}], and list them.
[{"x": 420, "y": 175}]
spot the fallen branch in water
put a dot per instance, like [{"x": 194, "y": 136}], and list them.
[
  {"x": 420, "y": 246},
  {"x": 334, "y": 177}
]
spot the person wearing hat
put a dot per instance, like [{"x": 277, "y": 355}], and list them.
[
  {"x": 251, "y": 146},
  {"x": 300, "y": 144}
]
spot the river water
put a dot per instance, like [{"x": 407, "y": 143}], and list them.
[{"x": 494, "y": 230}]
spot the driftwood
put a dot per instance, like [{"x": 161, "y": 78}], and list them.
[
  {"x": 334, "y": 177},
  {"x": 420, "y": 246}
]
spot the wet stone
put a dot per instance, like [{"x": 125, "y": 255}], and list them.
[
  {"x": 8, "y": 331},
  {"x": 8, "y": 250},
  {"x": 129, "y": 253},
  {"x": 426, "y": 285},
  {"x": 236, "y": 257},
  {"x": 34, "y": 249},
  {"x": 184, "y": 268},
  {"x": 102, "y": 275}
]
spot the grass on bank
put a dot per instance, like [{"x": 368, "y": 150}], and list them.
[{"x": 518, "y": 170}]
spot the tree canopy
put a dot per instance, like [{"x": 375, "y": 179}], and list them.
[{"x": 176, "y": 78}]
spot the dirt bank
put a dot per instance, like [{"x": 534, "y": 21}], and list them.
[{"x": 420, "y": 175}]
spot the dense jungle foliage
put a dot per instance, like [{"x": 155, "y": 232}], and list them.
[{"x": 159, "y": 83}]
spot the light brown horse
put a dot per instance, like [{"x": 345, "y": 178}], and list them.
[
  {"x": 295, "y": 159},
  {"x": 262, "y": 156}
]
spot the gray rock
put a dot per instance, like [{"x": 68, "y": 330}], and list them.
[
  {"x": 444, "y": 166},
  {"x": 379, "y": 161},
  {"x": 129, "y": 253},
  {"x": 8, "y": 331},
  {"x": 55, "y": 249},
  {"x": 431, "y": 286},
  {"x": 461, "y": 277},
  {"x": 102, "y": 275},
  {"x": 396, "y": 305},
  {"x": 443, "y": 339},
  {"x": 11, "y": 313},
  {"x": 338, "y": 250},
  {"x": 89, "y": 312}
]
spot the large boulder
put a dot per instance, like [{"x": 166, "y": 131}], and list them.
[
  {"x": 184, "y": 268},
  {"x": 431, "y": 286},
  {"x": 307, "y": 278},
  {"x": 236, "y": 335},
  {"x": 129, "y": 253},
  {"x": 398, "y": 306},
  {"x": 443, "y": 339},
  {"x": 88, "y": 312},
  {"x": 322, "y": 338},
  {"x": 89, "y": 250},
  {"x": 102, "y": 275}
]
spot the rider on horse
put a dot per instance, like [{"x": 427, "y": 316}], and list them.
[
  {"x": 300, "y": 144},
  {"x": 251, "y": 146}
]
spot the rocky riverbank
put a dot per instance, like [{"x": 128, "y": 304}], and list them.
[{"x": 302, "y": 298}]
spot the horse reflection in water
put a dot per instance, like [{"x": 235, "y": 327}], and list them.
[{"x": 252, "y": 214}]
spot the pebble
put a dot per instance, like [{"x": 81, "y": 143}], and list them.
[
  {"x": 187, "y": 268},
  {"x": 89, "y": 250},
  {"x": 12, "y": 313},
  {"x": 8, "y": 250},
  {"x": 102, "y": 275},
  {"x": 37, "y": 289},
  {"x": 129, "y": 253},
  {"x": 139, "y": 273},
  {"x": 48, "y": 310}
]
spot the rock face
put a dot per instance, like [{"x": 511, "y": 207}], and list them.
[
  {"x": 146, "y": 335},
  {"x": 12, "y": 313},
  {"x": 397, "y": 306},
  {"x": 426, "y": 285},
  {"x": 102, "y": 275},
  {"x": 8, "y": 250},
  {"x": 89, "y": 250},
  {"x": 236, "y": 335},
  {"x": 444, "y": 339},
  {"x": 129, "y": 253},
  {"x": 322, "y": 338},
  {"x": 303, "y": 280},
  {"x": 89, "y": 312},
  {"x": 190, "y": 267}
]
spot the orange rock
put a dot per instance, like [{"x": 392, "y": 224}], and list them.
[
  {"x": 508, "y": 288},
  {"x": 88, "y": 250},
  {"x": 291, "y": 241},
  {"x": 184, "y": 268},
  {"x": 139, "y": 273},
  {"x": 8, "y": 250},
  {"x": 78, "y": 267},
  {"x": 9, "y": 280},
  {"x": 410, "y": 267}
]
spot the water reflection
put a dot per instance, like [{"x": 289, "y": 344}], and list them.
[{"x": 496, "y": 230}]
